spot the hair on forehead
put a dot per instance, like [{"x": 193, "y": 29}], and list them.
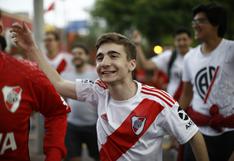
[
  {"x": 82, "y": 46},
  {"x": 182, "y": 30},
  {"x": 119, "y": 39},
  {"x": 216, "y": 14},
  {"x": 54, "y": 33}
]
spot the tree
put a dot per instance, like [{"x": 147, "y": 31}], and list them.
[{"x": 156, "y": 20}]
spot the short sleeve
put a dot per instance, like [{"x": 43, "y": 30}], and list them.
[
  {"x": 86, "y": 90},
  {"x": 186, "y": 75},
  {"x": 230, "y": 52},
  {"x": 162, "y": 60},
  {"x": 178, "y": 124}
]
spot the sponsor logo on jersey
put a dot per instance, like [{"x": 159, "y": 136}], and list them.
[
  {"x": 203, "y": 80},
  {"x": 7, "y": 142},
  {"x": 182, "y": 114},
  {"x": 138, "y": 124},
  {"x": 86, "y": 81},
  {"x": 188, "y": 125},
  {"x": 12, "y": 97}
]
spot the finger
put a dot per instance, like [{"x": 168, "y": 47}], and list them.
[
  {"x": 13, "y": 35},
  {"x": 25, "y": 27},
  {"x": 14, "y": 41},
  {"x": 16, "y": 27}
]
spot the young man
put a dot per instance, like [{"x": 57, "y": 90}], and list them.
[
  {"x": 130, "y": 114},
  {"x": 24, "y": 89},
  {"x": 170, "y": 62},
  {"x": 61, "y": 61},
  {"x": 83, "y": 117},
  {"x": 208, "y": 82}
]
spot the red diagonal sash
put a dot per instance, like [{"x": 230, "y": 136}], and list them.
[
  {"x": 123, "y": 138},
  {"x": 62, "y": 65}
]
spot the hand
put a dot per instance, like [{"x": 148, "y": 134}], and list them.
[
  {"x": 136, "y": 37},
  {"x": 21, "y": 35},
  {"x": 215, "y": 122}
]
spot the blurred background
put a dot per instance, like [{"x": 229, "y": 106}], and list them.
[{"x": 84, "y": 20}]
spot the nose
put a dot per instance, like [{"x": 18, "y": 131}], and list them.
[{"x": 105, "y": 61}]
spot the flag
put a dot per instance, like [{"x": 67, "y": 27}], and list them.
[{"x": 50, "y": 7}]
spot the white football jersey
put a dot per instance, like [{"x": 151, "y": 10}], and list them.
[
  {"x": 162, "y": 62},
  {"x": 199, "y": 70},
  {"x": 132, "y": 130},
  {"x": 62, "y": 62}
]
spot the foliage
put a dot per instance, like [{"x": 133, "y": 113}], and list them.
[{"x": 155, "y": 19}]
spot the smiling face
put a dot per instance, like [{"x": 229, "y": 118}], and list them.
[
  {"x": 182, "y": 42},
  {"x": 203, "y": 29},
  {"x": 112, "y": 63},
  {"x": 80, "y": 57}
]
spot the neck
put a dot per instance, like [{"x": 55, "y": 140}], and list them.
[
  {"x": 82, "y": 68},
  {"x": 51, "y": 54},
  {"x": 123, "y": 91},
  {"x": 209, "y": 45},
  {"x": 183, "y": 53}
]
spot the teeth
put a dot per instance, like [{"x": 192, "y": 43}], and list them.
[{"x": 107, "y": 72}]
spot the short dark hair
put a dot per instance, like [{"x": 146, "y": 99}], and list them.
[
  {"x": 3, "y": 43},
  {"x": 82, "y": 46},
  {"x": 120, "y": 39},
  {"x": 54, "y": 33},
  {"x": 216, "y": 15},
  {"x": 182, "y": 30}
]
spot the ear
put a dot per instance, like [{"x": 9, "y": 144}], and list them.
[{"x": 132, "y": 65}]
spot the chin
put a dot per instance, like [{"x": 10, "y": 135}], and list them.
[{"x": 107, "y": 80}]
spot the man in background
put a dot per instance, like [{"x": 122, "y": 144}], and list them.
[
  {"x": 83, "y": 117},
  {"x": 61, "y": 61}
]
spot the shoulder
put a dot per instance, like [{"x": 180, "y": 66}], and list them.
[
  {"x": 192, "y": 52},
  {"x": 65, "y": 55},
  {"x": 101, "y": 85},
  {"x": 158, "y": 96},
  {"x": 96, "y": 85},
  {"x": 32, "y": 73},
  {"x": 166, "y": 54},
  {"x": 228, "y": 43}
]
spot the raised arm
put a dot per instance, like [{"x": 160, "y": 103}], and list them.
[
  {"x": 145, "y": 63},
  {"x": 187, "y": 95},
  {"x": 199, "y": 147},
  {"x": 22, "y": 37}
]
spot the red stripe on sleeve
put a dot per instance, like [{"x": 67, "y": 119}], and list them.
[{"x": 162, "y": 93}]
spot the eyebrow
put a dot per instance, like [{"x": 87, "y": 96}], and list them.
[{"x": 109, "y": 52}]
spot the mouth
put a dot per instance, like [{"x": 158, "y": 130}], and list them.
[{"x": 107, "y": 72}]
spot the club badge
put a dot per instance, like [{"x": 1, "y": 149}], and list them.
[
  {"x": 12, "y": 97},
  {"x": 138, "y": 124}
]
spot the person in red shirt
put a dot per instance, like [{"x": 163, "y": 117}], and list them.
[{"x": 24, "y": 89}]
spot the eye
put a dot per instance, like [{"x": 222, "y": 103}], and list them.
[
  {"x": 114, "y": 55},
  {"x": 99, "y": 58}
]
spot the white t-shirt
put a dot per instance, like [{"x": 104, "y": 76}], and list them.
[
  {"x": 199, "y": 70},
  {"x": 82, "y": 113},
  {"x": 62, "y": 62},
  {"x": 132, "y": 129},
  {"x": 162, "y": 62}
]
